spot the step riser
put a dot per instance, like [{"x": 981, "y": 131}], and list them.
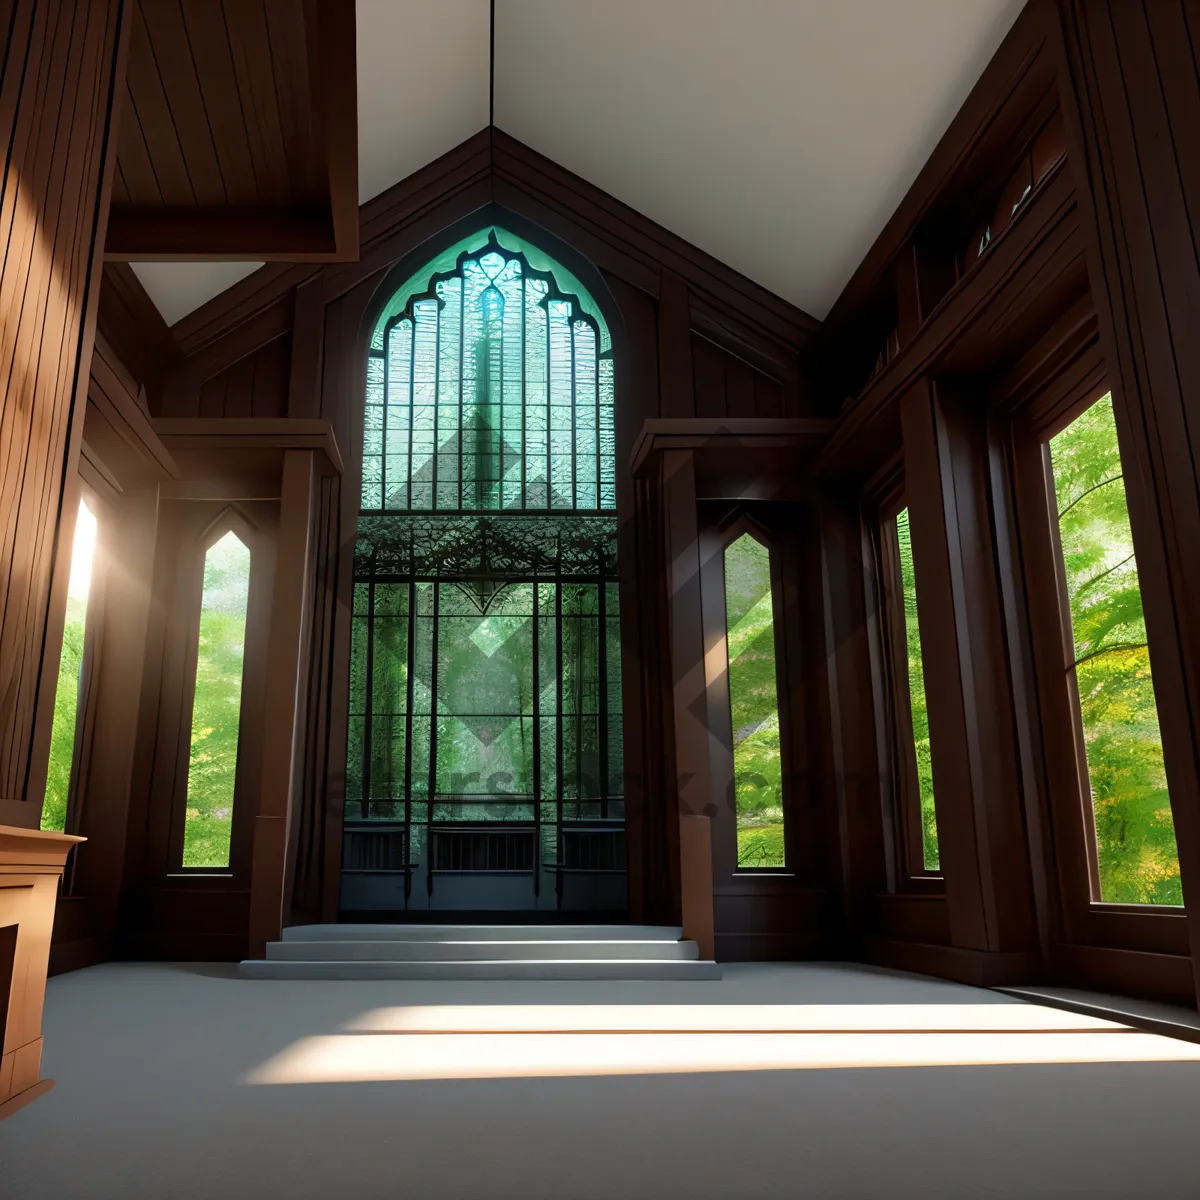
[
  {"x": 483, "y": 971},
  {"x": 460, "y": 951},
  {"x": 480, "y": 933}
]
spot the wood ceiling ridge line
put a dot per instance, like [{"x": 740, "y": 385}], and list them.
[
  {"x": 1023, "y": 52},
  {"x": 958, "y": 312},
  {"x": 665, "y": 241}
]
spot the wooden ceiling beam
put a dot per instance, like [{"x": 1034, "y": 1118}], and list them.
[
  {"x": 311, "y": 213},
  {"x": 253, "y": 234}
]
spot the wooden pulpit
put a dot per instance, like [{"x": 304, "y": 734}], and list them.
[{"x": 31, "y": 865}]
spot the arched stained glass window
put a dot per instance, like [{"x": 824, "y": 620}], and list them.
[
  {"x": 484, "y": 767},
  {"x": 491, "y": 389}
]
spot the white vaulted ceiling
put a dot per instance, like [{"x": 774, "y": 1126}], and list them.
[{"x": 777, "y": 135}]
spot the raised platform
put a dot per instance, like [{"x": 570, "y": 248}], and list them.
[{"x": 486, "y": 952}]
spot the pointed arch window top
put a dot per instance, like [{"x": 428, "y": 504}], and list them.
[
  {"x": 490, "y": 387},
  {"x": 496, "y": 245}
]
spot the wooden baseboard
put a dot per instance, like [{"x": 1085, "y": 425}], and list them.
[
  {"x": 981, "y": 968},
  {"x": 1165, "y": 977},
  {"x": 28, "y": 1096},
  {"x": 75, "y": 955},
  {"x": 771, "y": 947}
]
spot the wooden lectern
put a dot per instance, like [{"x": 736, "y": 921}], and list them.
[{"x": 31, "y": 865}]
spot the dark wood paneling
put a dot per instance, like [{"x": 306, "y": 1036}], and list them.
[
  {"x": 61, "y": 65},
  {"x": 255, "y": 386},
  {"x": 727, "y": 386},
  {"x": 1131, "y": 93}
]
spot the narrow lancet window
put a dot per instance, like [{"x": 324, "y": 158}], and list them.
[
  {"x": 1109, "y": 664},
  {"x": 918, "y": 710},
  {"x": 754, "y": 704},
  {"x": 67, "y": 695},
  {"x": 217, "y": 704}
]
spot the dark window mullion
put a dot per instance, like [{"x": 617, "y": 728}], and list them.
[
  {"x": 602, "y": 702},
  {"x": 370, "y": 704},
  {"x": 408, "y": 724},
  {"x": 383, "y": 431},
  {"x": 574, "y": 433},
  {"x": 437, "y": 397},
  {"x": 412, "y": 401},
  {"x": 462, "y": 342},
  {"x": 433, "y": 740},
  {"x": 524, "y": 430},
  {"x": 558, "y": 719}
]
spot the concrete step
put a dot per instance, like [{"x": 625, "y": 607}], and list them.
[
  {"x": 536, "y": 969},
  {"x": 480, "y": 933},
  {"x": 458, "y": 948}
]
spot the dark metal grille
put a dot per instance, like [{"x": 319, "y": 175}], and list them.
[
  {"x": 373, "y": 849},
  {"x": 593, "y": 849},
  {"x": 495, "y": 850}
]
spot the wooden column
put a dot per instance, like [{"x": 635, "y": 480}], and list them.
[
  {"x": 285, "y": 699},
  {"x": 31, "y": 864},
  {"x": 59, "y": 73},
  {"x": 693, "y": 774},
  {"x": 984, "y": 855},
  {"x": 1131, "y": 95},
  {"x": 855, "y": 729}
]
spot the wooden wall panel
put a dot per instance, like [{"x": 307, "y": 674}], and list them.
[
  {"x": 728, "y": 386},
  {"x": 255, "y": 386},
  {"x": 58, "y": 76}
]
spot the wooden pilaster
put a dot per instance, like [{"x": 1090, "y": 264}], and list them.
[
  {"x": 285, "y": 699},
  {"x": 984, "y": 855}
]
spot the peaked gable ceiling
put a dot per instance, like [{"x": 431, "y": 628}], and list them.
[{"x": 776, "y": 135}]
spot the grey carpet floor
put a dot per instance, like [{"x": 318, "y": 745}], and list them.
[{"x": 152, "y": 1100}]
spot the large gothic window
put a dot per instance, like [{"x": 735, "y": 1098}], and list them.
[{"x": 485, "y": 762}]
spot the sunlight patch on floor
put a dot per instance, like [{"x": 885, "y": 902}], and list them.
[{"x": 530, "y": 1041}]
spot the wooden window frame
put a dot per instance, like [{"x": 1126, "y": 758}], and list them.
[
  {"x": 1083, "y": 919},
  {"x": 908, "y": 835},
  {"x": 715, "y": 540},
  {"x": 93, "y": 644},
  {"x": 190, "y": 584}
]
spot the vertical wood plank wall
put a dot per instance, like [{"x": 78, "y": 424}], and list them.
[{"x": 61, "y": 64}]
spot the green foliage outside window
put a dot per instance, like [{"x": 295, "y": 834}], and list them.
[
  {"x": 916, "y": 696},
  {"x": 1135, "y": 833},
  {"x": 70, "y": 665},
  {"x": 216, "y": 707},
  {"x": 754, "y": 704}
]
